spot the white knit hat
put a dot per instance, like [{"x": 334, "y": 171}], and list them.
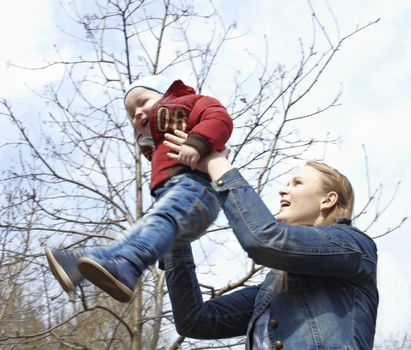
[{"x": 158, "y": 83}]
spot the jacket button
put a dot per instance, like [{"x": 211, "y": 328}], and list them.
[
  {"x": 273, "y": 323},
  {"x": 220, "y": 183},
  {"x": 278, "y": 344}
]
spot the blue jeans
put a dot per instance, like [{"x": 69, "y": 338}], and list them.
[{"x": 185, "y": 207}]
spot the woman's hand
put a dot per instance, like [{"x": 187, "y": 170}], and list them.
[
  {"x": 184, "y": 154},
  {"x": 189, "y": 155},
  {"x": 215, "y": 164},
  {"x": 174, "y": 142}
]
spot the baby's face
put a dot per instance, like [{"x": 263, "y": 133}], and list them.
[{"x": 139, "y": 103}]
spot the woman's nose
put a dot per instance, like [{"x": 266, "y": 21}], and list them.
[{"x": 283, "y": 191}]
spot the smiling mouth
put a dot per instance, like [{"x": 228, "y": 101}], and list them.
[{"x": 284, "y": 203}]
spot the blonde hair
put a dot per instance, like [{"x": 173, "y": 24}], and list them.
[{"x": 333, "y": 180}]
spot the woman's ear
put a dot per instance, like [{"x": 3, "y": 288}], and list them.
[{"x": 330, "y": 200}]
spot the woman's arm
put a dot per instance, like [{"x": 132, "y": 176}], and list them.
[
  {"x": 335, "y": 251},
  {"x": 222, "y": 317}
]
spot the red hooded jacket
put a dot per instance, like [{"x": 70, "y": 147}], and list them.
[{"x": 203, "y": 118}]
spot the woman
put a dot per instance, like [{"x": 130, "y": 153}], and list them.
[{"x": 321, "y": 290}]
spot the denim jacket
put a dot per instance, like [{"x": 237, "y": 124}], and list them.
[{"x": 331, "y": 297}]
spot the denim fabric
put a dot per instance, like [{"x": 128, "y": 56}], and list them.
[
  {"x": 261, "y": 339},
  {"x": 331, "y": 297},
  {"x": 185, "y": 206}
]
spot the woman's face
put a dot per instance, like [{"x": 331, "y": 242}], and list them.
[{"x": 302, "y": 198}]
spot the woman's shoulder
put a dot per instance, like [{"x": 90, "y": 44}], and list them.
[{"x": 345, "y": 234}]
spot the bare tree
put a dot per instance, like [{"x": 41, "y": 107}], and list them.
[{"x": 81, "y": 180}]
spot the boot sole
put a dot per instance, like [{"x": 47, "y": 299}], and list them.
[
  {"x": 103, "y": 279},
  {"x": 58, "y": 271}
]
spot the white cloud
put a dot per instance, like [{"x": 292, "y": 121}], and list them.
[{"x": 27, "y": 29}]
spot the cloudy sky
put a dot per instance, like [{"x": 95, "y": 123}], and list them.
[{"x": 373, "y": 69}]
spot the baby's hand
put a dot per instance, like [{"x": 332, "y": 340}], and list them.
[{"x": 189, "y": 155}]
